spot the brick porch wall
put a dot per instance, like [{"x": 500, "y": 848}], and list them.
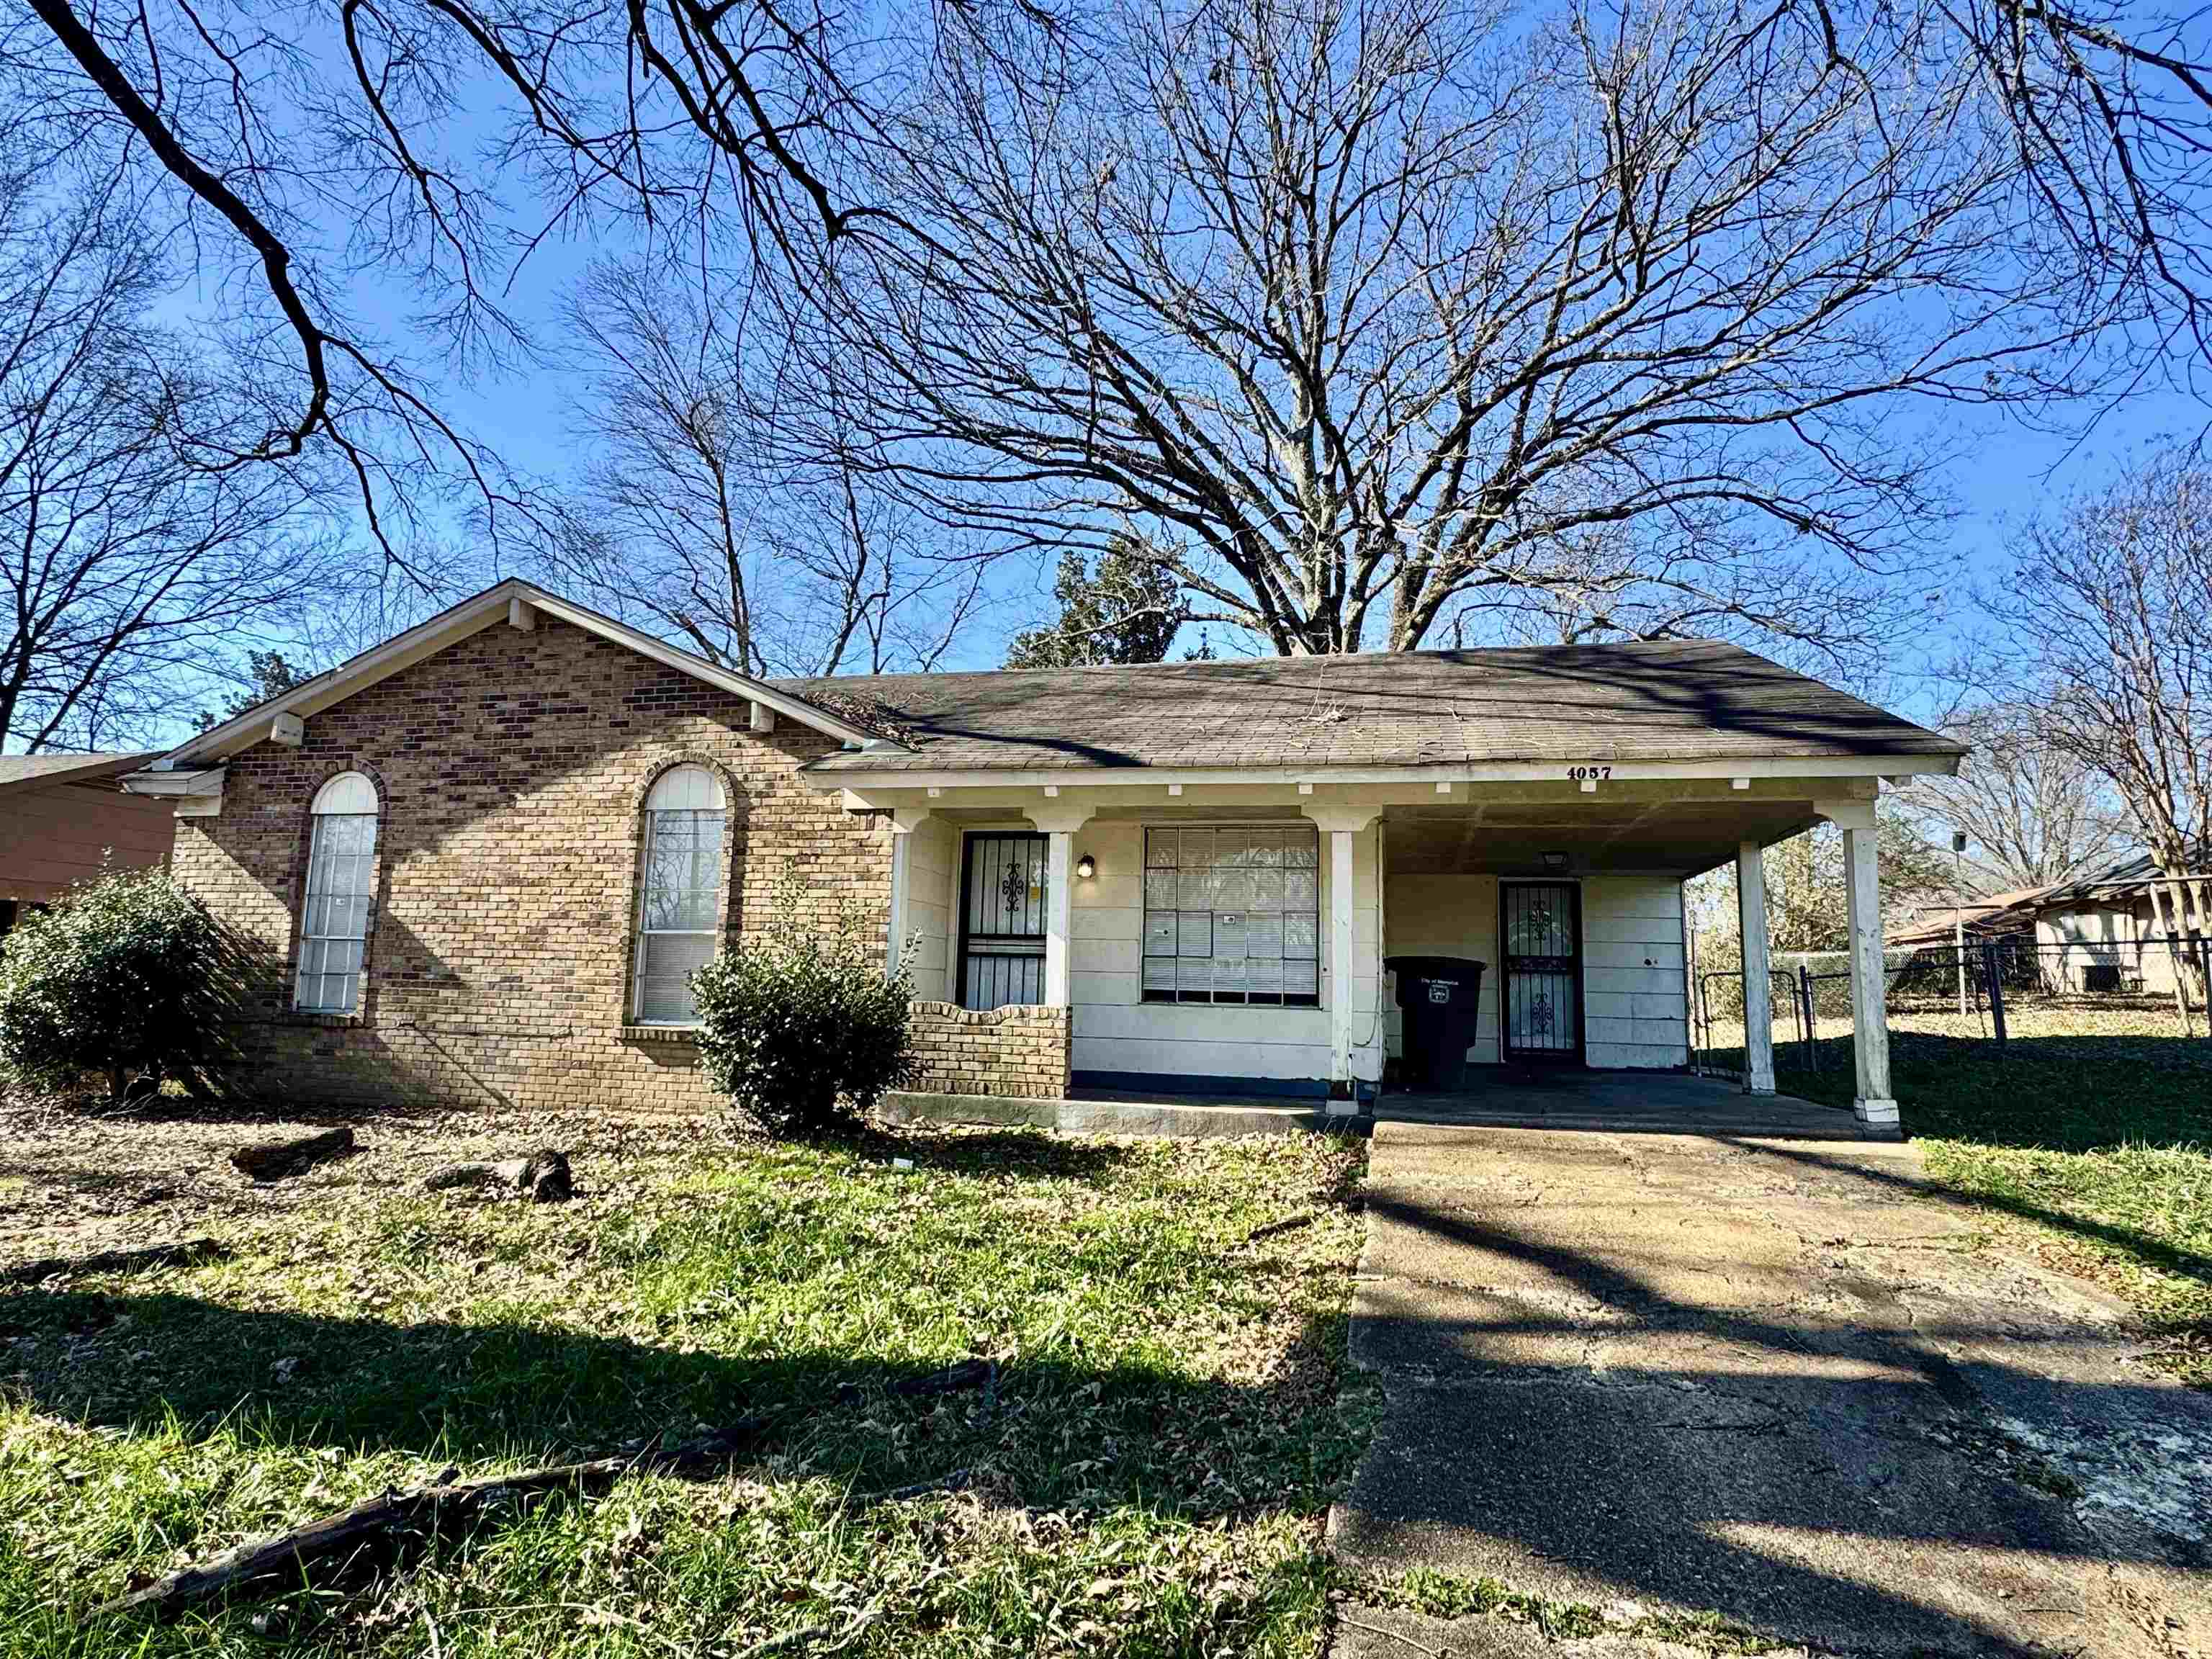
[
  {"x": 1018, "y": 1051},
  {"x": 511, "y": 770}
]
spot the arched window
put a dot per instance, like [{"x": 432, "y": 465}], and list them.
[
  {"x": 679, "y": 893},
  {"x": 341, "y": 888}
]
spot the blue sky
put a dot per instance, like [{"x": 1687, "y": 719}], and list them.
[{"x": 2008, "y": 471}]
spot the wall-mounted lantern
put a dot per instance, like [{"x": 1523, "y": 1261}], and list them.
[{"x": 1085, "y": 867}]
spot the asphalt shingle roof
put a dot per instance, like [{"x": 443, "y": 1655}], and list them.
[
  {"x": 1694, "y": 700},
  {"x": 59, "y": 768}
]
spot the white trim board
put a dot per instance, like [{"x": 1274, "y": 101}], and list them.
[{"x": 866, "y": 781}]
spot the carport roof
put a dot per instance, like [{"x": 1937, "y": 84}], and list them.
[{"x": 1688, "y": 700}]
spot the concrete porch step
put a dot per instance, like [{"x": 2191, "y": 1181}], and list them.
[{"x": 1104, "y": 1115}]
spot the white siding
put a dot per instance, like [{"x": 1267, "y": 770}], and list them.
[
  {"x": 1632, "y": 974},
  {"x": 932, "y": 875},
  {"x": 1114, "y": 1029},
  {"x": 1633, "y": 980},
  {"x": 1447, "y": 916}
]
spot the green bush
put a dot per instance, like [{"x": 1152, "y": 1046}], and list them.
[
  {"x": 121, "y": 979},
  {"x": 803, "y": 1030}
]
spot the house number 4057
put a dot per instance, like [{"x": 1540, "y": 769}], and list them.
[{"x": 1579, "y": 773}]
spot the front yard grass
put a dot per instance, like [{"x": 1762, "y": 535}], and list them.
[
  {"x": 2095, "y": 1149},
  {"x": 1149, "y": 1479}
]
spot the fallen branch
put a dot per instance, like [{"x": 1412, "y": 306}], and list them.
[
  {"x": 445, "y": 1503},
  {"x": 544, "y": 1175},
  {"x": 272, "y": 1160},
  {"x": 1288, "y": 1223},
  {"x": 180, "y": 1254},
  {"x": 953, "y": 1379}
]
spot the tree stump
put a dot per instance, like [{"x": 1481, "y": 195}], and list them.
[
  {"x": 273, "y": 1160},
  {"x": 543, "y": 1176}
]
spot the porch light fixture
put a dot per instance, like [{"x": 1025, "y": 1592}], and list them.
[
  {"x": 1085, "y": 867},
  {"x": 1555, "y": 860}
]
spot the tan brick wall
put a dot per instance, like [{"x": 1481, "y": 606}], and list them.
[
  {"x": 512, "y": 768},
  {"x": 1021, "y": 1051}
]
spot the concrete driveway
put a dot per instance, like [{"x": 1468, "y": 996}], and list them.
[{"x": 1783, "y": 1382}]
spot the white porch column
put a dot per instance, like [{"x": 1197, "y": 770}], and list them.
[
  {"x": 1871, "y": 1100},
  {"x": 1758, "y": 987},
  {"x": 905, "y": 820},
  {"x": 1059, "y": 821},
  {"x": 1340, "y": 824}
]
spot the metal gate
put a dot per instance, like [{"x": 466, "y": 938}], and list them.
[
  {"x": 1002, "y": 879},
  {"x": 1540, "y": 933}
]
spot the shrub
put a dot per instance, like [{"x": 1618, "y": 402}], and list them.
[
  {"x": 120, "y": 980},
  {"x": 803, "y": 1030}
]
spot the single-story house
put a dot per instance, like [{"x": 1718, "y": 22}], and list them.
[
  {"x": 63, "y": 819},
  {"x": 2097, "y": 934},
  {"x": 489, "y": 853},
  {"x": 2102, "y": 933}
]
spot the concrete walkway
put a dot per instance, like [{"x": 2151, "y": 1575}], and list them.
[{"x": 1784, "y": 1382}]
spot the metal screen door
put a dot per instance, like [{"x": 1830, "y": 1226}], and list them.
[
  {"x": 1541, "y": 934},
  {"x": 1002, "y": 880}
]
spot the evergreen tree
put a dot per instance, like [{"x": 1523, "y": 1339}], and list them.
[
  {"x": 268, "y": 676},
  {"x": 1125, "y": 611}
]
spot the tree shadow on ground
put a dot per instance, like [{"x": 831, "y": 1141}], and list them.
[
  {"x": 1595, "y": 1413},
  {"x": 1056, "y": 1433},
  {"x": 2143, "y": 1246},
  {"x": 2065, "y": 1093}
]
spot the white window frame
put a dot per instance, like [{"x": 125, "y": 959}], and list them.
[
  {"x": 690, "y": 789},
  {"x": 1298, "y": 1002},
  {"x": 349, "y": 796}
]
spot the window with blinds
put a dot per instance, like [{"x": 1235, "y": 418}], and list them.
[
  {"x": 680, "y": 893},
  {"x": 1232, "y": 915},
  {"x": 341, "y": 896}
]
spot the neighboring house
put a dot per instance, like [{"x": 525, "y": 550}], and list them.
[
  {"x": 1994, "y": 917},
  {"x": 2096, "y": 935},
  {"x": 490, "y": 852},
  {"x": 64, "y": 818},
  {"x": 2101, "y": 933}
]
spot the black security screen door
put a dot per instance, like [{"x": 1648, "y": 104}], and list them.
[
  {"x": 1002, "y": 920},
  {"x": 1540, "y": 931}
]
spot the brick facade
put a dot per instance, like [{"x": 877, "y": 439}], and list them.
[
  {"x": 1019, "y": 1051},
  {"x": 510, "y": 769}
]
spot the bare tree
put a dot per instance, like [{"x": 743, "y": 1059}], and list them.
[
  {"x": 131, "y": 572},
  {"x": 1379, "y": 305},
  {"x": 2034, "y": 812},
  {"x": 702, "y": 512},
  {"x": 2109, "y": 606},
  {"x": 1387, "y": 309}
]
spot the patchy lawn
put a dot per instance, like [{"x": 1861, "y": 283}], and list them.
[
  {"x": 2097, "y": 1147},
  {"x": 1149, "y": 1479}
]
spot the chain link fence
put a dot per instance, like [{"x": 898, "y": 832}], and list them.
[{"x": 1993, "y": 990}]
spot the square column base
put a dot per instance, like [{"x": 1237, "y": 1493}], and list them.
[{"x": 1881, "y": 1114}]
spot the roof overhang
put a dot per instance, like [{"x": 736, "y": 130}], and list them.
[
  {"x": 513, "y": 601},
  {"x": 860, "y": 779},
  {"x": 197, "y": 791},
  {"x": 90, "y": 768}
]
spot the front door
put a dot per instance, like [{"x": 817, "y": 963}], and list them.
[
  {"x": 1002, "y": 920},
  {"x": 1541, "y": 935}
]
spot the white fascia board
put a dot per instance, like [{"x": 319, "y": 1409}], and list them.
[
  {"x": 175, "y": 783},
  {"x": 473, "y": 615},
  {"x": 1544, "y": 771}
]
